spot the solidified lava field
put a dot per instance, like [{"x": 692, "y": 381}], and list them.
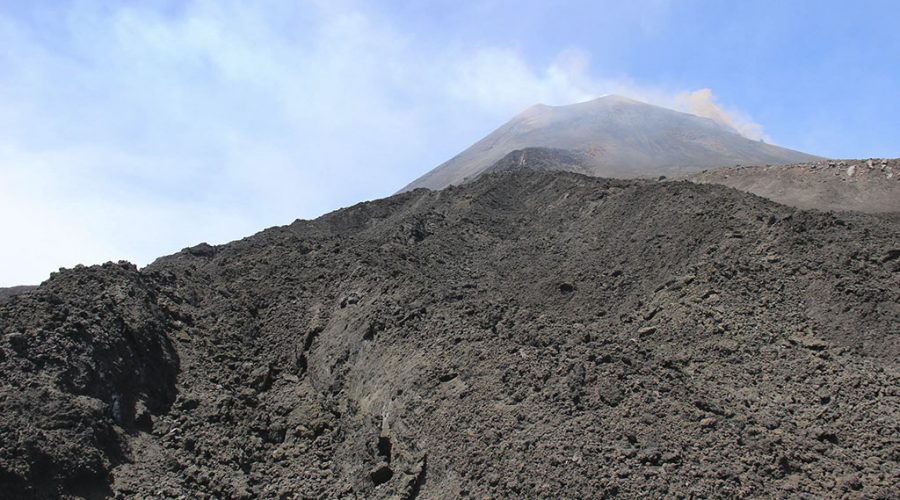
[{"x": 530, "y": 334}]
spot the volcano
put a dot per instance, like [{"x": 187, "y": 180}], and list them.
[{"x": 617, "y": 137}]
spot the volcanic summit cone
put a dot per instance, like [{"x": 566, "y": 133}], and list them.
[{"x": 617, "y": 137}]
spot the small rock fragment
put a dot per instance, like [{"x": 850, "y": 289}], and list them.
[
  {"x": 708, "y": 422},
  {"x": 647, "y": 330}
]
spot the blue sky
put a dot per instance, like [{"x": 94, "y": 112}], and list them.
[{"x": 130, "y": 130}]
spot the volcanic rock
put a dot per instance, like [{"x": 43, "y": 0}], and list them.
[{"x": 462, "y": 367}]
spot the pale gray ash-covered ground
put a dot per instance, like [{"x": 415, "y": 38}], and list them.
[
  {"x": 14, "y": 290},
  {"x": 529, "y": 334},
  {"x": 871, "y": 186}
]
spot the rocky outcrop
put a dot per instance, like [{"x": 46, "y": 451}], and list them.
[{"x": 86, "y": 359}]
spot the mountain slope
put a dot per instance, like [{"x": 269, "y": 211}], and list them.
[
  {"x": 14, "y": 290},
  {"x": 621, "y": 138},
  {"x": 871, "y": 186},
  {"x": 530, "y": 334}
]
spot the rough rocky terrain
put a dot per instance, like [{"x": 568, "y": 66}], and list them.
[
  {"x": 871, "y": 186},
  {"x": 529, "y": 334},
  {"x": 614, "y": 137}
]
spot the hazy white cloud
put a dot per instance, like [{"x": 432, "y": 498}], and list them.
[
  {"x": 128, "y": 132},
  {"x": 55, "y": 217},
  {"x": 136, "y": 133},
  {"x": 502, "y": 81}
]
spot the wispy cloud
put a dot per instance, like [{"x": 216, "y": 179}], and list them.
[
  {"x": 502, "y": 80},
  {"x": 130, "y": 131}
]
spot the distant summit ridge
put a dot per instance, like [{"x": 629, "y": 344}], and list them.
[{"x": 621, "y": 137}]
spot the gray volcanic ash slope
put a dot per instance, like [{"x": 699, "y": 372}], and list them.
[
  {"x": 14, "y": 290},
  {"x": 530, "y": 334},
  {"x": 619, "y": 137},
  {"x": 871, "y": 186}
]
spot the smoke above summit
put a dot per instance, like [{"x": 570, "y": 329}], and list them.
[
  {"x": 501, "y": 80},
  {"x": 703, "y": 103}
]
